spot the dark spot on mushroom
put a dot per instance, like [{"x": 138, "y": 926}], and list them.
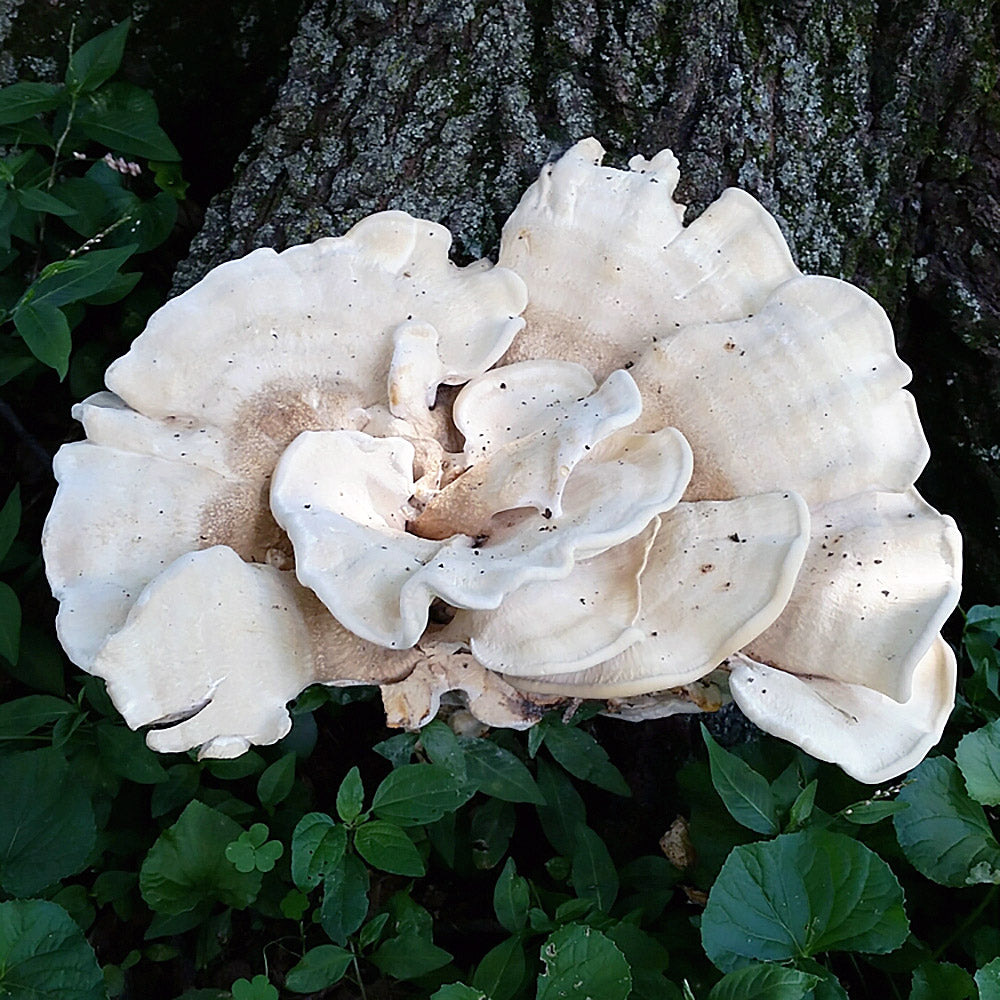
[{"x": 707, "y": 568}]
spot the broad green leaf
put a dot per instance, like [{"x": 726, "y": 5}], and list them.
[
  {"x": 276, "y": 782},
  {"x": 45, "y": 329},
  {"x": 414, "y": 794},
  {"x": 499, "y": 773},
  {"x": 799, "y": 895},
  {"x": 125, "y": 753},
  {"x": 490, "y": 830},
  {"x": 37, "y": 200},
  {"x": 10, "y": 520},
  {"x": 978, "y": 757},
  {"x": 802, "y": 807},
  {"x": 871, "y": 811},
  {"x": 409, "y": 956},
  {"x": 647, "y": 958},
  {"x": 502, "y": 969},
  {"x": 10, "y": 623},
  {"x": 563, "y": 810},
  {"x": 372, "y": 930},
  {"x": 24, "y": 100},
  {"x": 76, "y": 278},
  {"x": 583, "y": 757},
  {"x": 988, "y": 981},
  {"x": 237, "y": 767},
  {"x": 318, "y": 845},
  {"x": 511, "y": 898},
  {"x": 942, "y": 981},
  {"x": 764, "y": 982},
  {"x": 47, "y": 828},
  {"x": 943, "y": 833},
  {"x": 746, "y": 794},
  {"x": 320, "y": 967},
  {"x": 123, "y": 118},
  {"x": 651, "y": 880},
  {"x": 24, "y": 715},
  {"x": 98, "y": 59},
  {"x": 44, "y": 955},
  {"x": 258, "y": 988},
  {"x": 459, "y": 991},
  {"x": 350, "y": 796},
  {"x": 345, "y": 899},
  {"x": 398, "y": 749},
  {"x": 594, "y": 875},
  {"x": 117, "y": 289},
  {"x": 384, "y": 845},
  {"x": 442, "y": 747},
  {"x": 581, "y": 962},
  {"x": 187, "y": 865}
]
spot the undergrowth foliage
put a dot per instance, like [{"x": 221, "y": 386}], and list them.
[{"x": 346, "y": 862}]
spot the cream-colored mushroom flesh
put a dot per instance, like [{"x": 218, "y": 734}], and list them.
[
  {"x": 216, "y": 643},
  {"x": 872, "y": 737},
  {"x": 716, "y": 576},
  {"x": 609, "y": 266},
  {"x": 806, "y": 394},
  {"x": 881, "y": 576}
]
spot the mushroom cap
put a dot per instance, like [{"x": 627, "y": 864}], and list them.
[
  {"x": 872, "y": 737},
  {"x": 717, "y": 575},
  {"x": 180, "y": 455}
]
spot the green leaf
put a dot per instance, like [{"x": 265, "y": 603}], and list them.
[
  {"x": 459, "y": 991},
  {"x": 24, "y": 715},
  {"x": 943, "y": 833},
  {"x": 318, "y": 845},
  {"x": 350, "y": 796},
  {"x": 125, "y": 753},
  {"x": 47, "y": 828},
  {"x": 799, "y": 895},
  {"x": 988, "y": 981},
  {"x": 415, "y": 794},
  {"x": 564, "y": 809},
  {"x": 746, "y": 794},
  {"x": 123, "y": 118},
  {"x": 44, "y": 955},
  {"x": 10, "y": 623},
  {"x": 942, "y": 981},
  {"x": 647, "y": 958},
  {"x": 36, "y": 200},
  {"x": 24, "y": 100},
  {"x": 409, "y": 956},
  {"x": 276, "y": 782},
  {"x": 764, "y": 982},
  {"x": 398, "y": 749},
  {"x": 581, "y": 962},
  {"x": 97, "y": 60},
  {"x": 345, "y": 899},
  {"x": 802, "y": 807},
  {"x": 258, "y": 988},
  {"x": 511, "y": 898},
  {"x": 502, "y": 970},
  {"x": 594, "y": 875},
  {"x": 490, "y": 830},
  {"x": 76, "y": 278},
  {"x": 187, "y": 865},
  {"x": 871, "y": 811},
  {"x": 384, "y": 845},
  {"x": 978, "y": 757},
  {"x": 442, "y": 747},
  {"x": 45, "y": 329},
  {"x": 583, "y": 756},
  {"x": 320, "y": 967},
  {"x": 10, "y": 520},
  {"x": 499, "y": 773}
]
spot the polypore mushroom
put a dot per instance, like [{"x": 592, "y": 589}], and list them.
[{"x": 693, "y": 461}]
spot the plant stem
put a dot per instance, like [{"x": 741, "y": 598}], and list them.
[
  {"x": 965, "y": 924},
  {"x": 357, "y": 971}
]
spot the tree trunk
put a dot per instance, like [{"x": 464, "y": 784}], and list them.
[{"x": 871, "y": 134}]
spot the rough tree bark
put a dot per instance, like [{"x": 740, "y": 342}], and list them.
[{"x": 870, "y": 131}]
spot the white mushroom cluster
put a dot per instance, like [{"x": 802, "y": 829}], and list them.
[{"x": 636, "y": 461}]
